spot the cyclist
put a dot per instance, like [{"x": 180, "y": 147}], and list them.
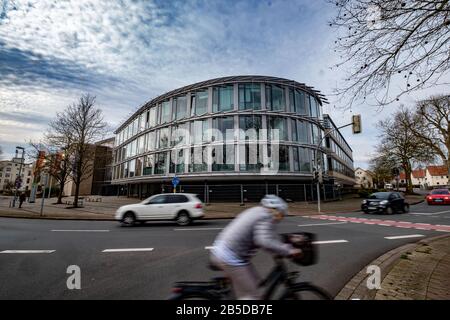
[{"x": 253, "y": 228}]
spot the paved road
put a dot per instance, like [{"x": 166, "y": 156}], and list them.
[{"x": 170, "y": 253}]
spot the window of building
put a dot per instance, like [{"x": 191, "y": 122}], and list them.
[
  {"x": 198, "y": 162},
  {"x": 250, "y": 157},
  {"x": 282, "y": 163},
  {"x": 303, "y": 131},
  {"x": 305, "y": 157},
  {"x": 316, "y": 134},
  {"x": 164, "y": 134},
  {"x": 165, "y": 112},
  {"x": 138, "y": 169},
  {"x": 180, "y": 135},
  {"x": 131, "y": 168},
  {"x": 250, "y": 96},
  {"x": 313, "y": 106},
  {"x": 125, "y": 170},
  {"x": 141, "y": 144},
  {"x": 142, "y": 121},
  {"x": 199, "y": 131},
  {"x": 8, "y": 169},
  {"x": 280, "y": 124},
  {"x": 223, "y": 98},
  {"x": 160, "y": 163},
  {"x": 224, "y": 128},
  {"x": 151, "y": 140},
  {"x": 199, "y": 103},
  {"x": 153, "y": 117},
  {"x": 250, "y": 127},
  {"x": 294, "y": 130},
  {"x": 177, "y": 161},
  {"x": 295, "y": 159},
  {"x": 297, "y": 101},
  {"x": 275, "y": 99},
  {"x": 149, "y": 163},
  {"x": 180, "y": 104},
  {"x": 223, "y": 157}
]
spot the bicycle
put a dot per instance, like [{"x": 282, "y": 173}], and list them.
[{"x": 219, "y": 288}]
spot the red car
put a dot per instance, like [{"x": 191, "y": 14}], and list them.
[{"x": 438, "y": 196}]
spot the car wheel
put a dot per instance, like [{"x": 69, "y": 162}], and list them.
[
  {"x": 183, "y": 218},
  {"x": 389, "y": 210},
  {"x": 406, "y": 208},
  {"x": 366, "y": 212},
  {"x": 129, "y": 219}
]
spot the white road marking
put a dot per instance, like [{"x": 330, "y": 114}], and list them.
[
  {"x": 209, "y": 248},
  {"x": 320, "y": 224},
  {"x": 405, "y": 237},
  {"x": 441, "y": 230},
  {"x": 27, "y": 251},
  {"x": 128, "y": 250},
  {"x": 80, "y": 230},
  {"x": 384, "y": 224},
  {"x": 195, "y": 229},
  {"x": 329, "y": 241}
]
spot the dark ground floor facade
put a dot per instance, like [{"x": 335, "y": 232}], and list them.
[{"x": 233, "y": 190}]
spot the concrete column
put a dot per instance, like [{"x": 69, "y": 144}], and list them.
[{"x": 210, "y": 99}]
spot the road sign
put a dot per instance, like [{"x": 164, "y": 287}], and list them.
[{"x": 175, "y": 181}]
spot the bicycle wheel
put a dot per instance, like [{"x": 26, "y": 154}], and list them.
[{"x": 305, "y": 291}]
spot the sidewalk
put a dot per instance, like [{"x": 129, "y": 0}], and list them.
[
  {"x": 417, "y": 271},
  {"x": 105, "y": 210}
]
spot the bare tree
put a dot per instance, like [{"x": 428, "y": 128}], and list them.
[
  {"x": 382, "y": 168},
  {"x": 400, "y": 147},
  {"x": 383, "y": 43},
  {"x": 84, "y": 122},
  {"x": 431, "y": 125}
]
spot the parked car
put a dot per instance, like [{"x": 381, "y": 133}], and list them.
[
  {"x": 182, "y": 208},
  {"x": 438, "y": 196},
  {"x": 385, "y": 202}
]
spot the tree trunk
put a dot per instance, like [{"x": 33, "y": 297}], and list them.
[
  {"x": 409, "y": 186},
  {"x": 77, "y": 191},
  {"x": 61, "y": 191}
]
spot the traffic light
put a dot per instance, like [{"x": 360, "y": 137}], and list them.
[{"x": 356, "y": 122}]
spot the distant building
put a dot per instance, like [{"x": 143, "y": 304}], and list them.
[
  {"x": 339, "y": 155},
  {"x": 431, "y": 176},
  {"x": 9, "y": 171},
  {"x": 364, "y": 178},
  {"x": 98, "y": 181}
]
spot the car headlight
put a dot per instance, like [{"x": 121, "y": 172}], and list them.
[
  {"x": 384, "y": 202},
  {"x": 364, "y": 201}
]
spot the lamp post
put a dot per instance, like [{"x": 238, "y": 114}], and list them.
[{"x": 19, "y": 178}]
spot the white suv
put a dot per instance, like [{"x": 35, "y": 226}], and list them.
[{"x": 181, "y": 207}]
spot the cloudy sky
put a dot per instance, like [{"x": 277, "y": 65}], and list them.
[{"x": 127, "y": 52}]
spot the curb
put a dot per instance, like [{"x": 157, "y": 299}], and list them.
[{"x": 356, "y": 288}]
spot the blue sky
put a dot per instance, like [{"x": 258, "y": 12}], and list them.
[{"x": 127, "y": 52}]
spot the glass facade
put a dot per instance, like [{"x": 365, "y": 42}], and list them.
[
  {"x": 250, "y": 127},
  {"x": 223, "y": 98},
  {"x": 151, "y": 145},
  {"x": 180, "y": 109},
  {"x": 275, "y": 99},
  {"x": 199, "y": 103},
  {"x": 250, "y": 96}
]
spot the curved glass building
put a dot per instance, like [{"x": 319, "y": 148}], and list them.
[{"x": 232, "y": 138}]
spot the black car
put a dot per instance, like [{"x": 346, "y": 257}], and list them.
[{"x": 385, "y": 202}]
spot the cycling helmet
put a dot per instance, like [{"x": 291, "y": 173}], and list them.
[{"x": 274, "y": 202}]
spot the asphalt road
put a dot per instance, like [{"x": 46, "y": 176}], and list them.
[{"x": 170, "y": 253}]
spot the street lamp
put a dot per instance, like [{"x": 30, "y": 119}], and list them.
[{"x": 18, "y": 180}]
